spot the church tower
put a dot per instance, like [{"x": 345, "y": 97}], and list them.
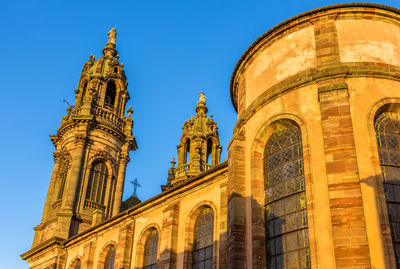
[
  {"x": 91, "y": 151},
  {"x": 199, "y": 148}
]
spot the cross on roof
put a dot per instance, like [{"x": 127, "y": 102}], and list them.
[{"x": 135, "y": 184}]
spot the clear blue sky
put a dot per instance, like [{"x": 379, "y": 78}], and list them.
[{"x": 171, "y": 50}]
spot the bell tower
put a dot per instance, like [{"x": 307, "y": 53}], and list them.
[
  {"x": 199, "y": 148},
  {"x": 92, "y": 148}
]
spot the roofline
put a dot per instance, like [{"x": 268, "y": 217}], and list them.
[{"x": 273, "y": 29}]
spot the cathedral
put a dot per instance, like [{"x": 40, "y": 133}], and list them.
[{"x": 312, "y": 178}]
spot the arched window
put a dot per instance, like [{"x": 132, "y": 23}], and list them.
[
  {"x": 111, "y": 92},
  {"x": 150, "y": 250},
  {"x": 110, "y": 259},
  {"x": 97, "y": 182},
  {"x": 203, "y": 240},
  {"x": 187, "y": 151},
  {"x": 286, "y": 222},
  {"x": 387, "y": 127},
  {"x": 76, "y": 264},
  {"x": 63, "y": 178},
  {"x": 209, "y": 151}
]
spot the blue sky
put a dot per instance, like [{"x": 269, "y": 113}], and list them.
[{"x": 171, "y": 50}]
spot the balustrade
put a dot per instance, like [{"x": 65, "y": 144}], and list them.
[{"x": 94, "y": 205}]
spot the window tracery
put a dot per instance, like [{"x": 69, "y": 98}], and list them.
[
  {"x": 150, "y": 250},
  {"x": 97, "y": 183},
  {"x": 203, "y": 241},
  {"x": 286, "y": 221},
  {"x": 387, "y": 127}
]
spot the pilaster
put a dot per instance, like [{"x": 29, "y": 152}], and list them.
[
  {"x": 169, "y": 236},
  {"x": 346, "y": 206},
  {"x": 124, "y": 247},
  {"x": 237, "y": 252}
]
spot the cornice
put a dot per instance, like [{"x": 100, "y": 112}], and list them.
[
  {"x": 287, "y": 24},
  {"x": 314, "y": 76},
  {"x": 54, "y": 241}
]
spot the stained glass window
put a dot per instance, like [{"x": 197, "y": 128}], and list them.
[
  {"x": 150, "y": 250},
  {"x": 387, "y": 127},
  {"x": 286, "y": 222},
  {"x": 63, "y": 177},
  {"x": 110, "y": 259},
  {"x": 97, "y": 182},
  {"x": 203, "y": 239}
]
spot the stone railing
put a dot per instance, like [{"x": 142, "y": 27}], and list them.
[
  {"x": 108, "y": 116},
  {"x": 205, "y": 166},
  {"x": 182, "y": 168},
  {"x": 94, "y": 205},
  {"x": 57, "y": 203}
]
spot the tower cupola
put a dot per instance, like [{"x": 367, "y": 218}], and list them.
[
  {"x": 199, "y": 148},
  {"x": 92, "y": 151}
]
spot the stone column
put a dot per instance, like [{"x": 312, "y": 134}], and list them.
[
  {"x": 237, "y": 253},
  {"x": 76, "y": 170},
  {"x": 196, "y": 158},
  {"x": 169, "y": 237},
  {"x": 123, "y": 161}
]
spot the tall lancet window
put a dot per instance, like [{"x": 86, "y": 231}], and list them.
[
  {"x": 150, "y": 250},
  {"x": 97, "y": 182},
  {"x": 203, "y": 239},
  {"x": 63, "y": 178},
  {"x": 286, "y": 222},
  {"x": 387, "y": 127}
]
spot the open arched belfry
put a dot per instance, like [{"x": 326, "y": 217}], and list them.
[{"x": 312, "y": 178}]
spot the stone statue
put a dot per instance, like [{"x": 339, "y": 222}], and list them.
[
  {"x": 202, "y": 98},
  {"x": 112, "y": 36}
]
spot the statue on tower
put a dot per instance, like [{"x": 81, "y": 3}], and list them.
[{"x": 112, "y": 36}]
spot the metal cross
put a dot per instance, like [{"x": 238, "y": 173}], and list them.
[{"x": 135, "y": 184}]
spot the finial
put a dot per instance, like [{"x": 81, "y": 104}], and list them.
[
  {"x": 211, "y": 115},
  {"x": 112, "y": 36},
  {"x": 223, "y": 160},
  {"x": 130, "y": 111},
  {"x": 173, "y": 162}
]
